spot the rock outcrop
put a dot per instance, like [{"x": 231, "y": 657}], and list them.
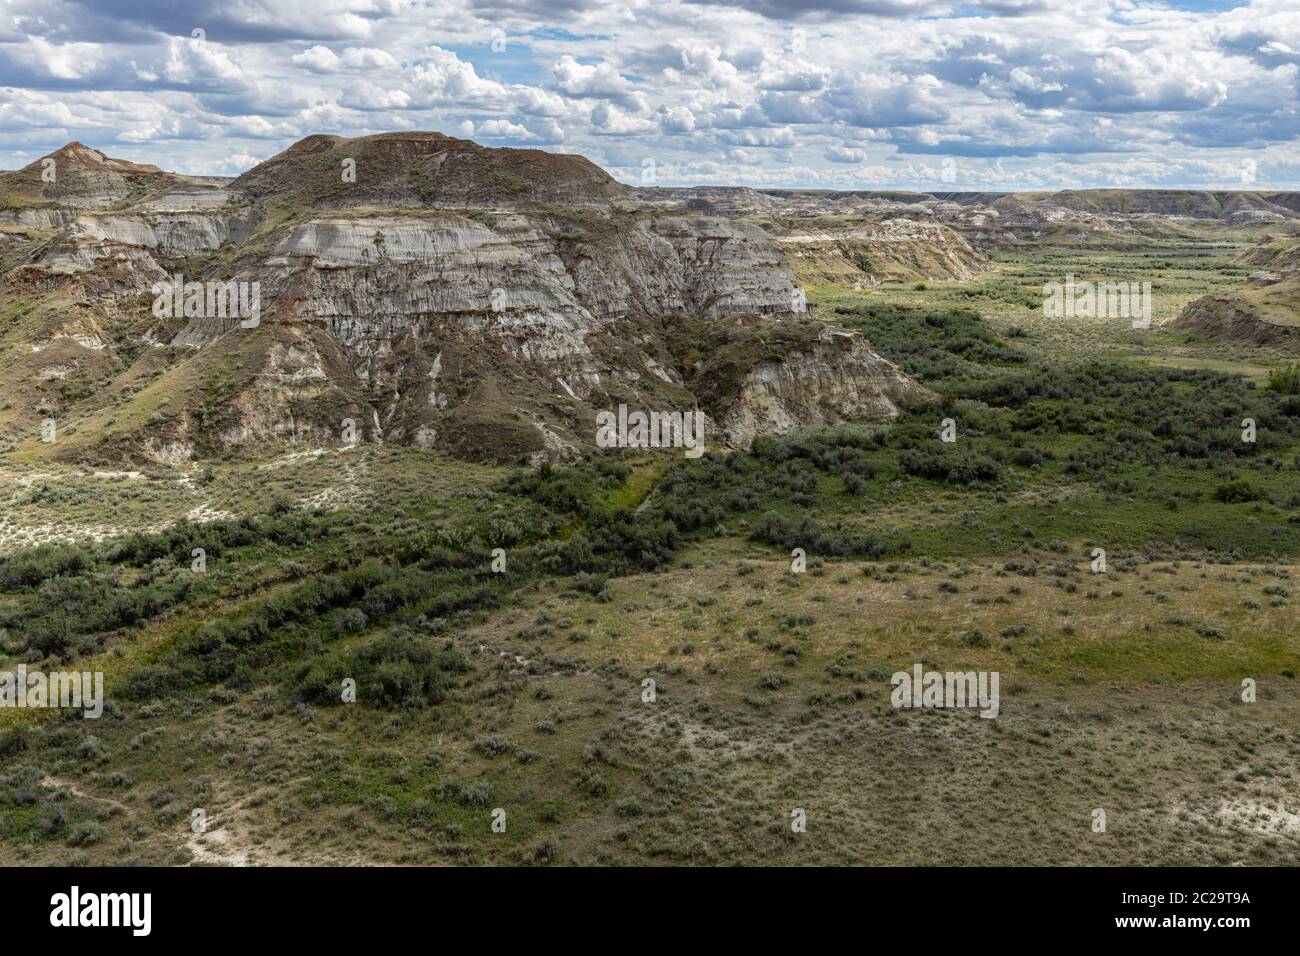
[
  {"x": 1257, "y": 314},
  {"x": 409, "y": 288},
  {"x": 418, "y": 169},
  {"x": 1276, "y": 251},
  {"x": 833, "y": 377},
  {"x": 77, "y": 177},
  {"x": 866, "y": 254},
  {"x": 1265, "y": 310}
]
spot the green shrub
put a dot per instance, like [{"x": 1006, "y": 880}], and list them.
[
  {"x": 392, "y": 671},
  {"x": 1234, "y": 492},
  {"x": 1285, "y": 380}
]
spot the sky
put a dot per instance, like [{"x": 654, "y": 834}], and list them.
[{"x": 832, "y": 94}]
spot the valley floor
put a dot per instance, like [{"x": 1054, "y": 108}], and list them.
[
  {"x": 1121, "y": 692},
  {"x": 1010, "y": 298}
]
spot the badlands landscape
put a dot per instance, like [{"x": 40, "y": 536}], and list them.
[{"x": 379, "y": 468}]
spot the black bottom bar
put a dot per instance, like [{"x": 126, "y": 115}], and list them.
[{"x": 961, "y": 906}]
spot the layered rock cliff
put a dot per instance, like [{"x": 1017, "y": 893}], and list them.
[
  {"x": 831, "y": 376},
  {"x": 866, "y": 254},
  {"x": 409, "y": 288}
]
